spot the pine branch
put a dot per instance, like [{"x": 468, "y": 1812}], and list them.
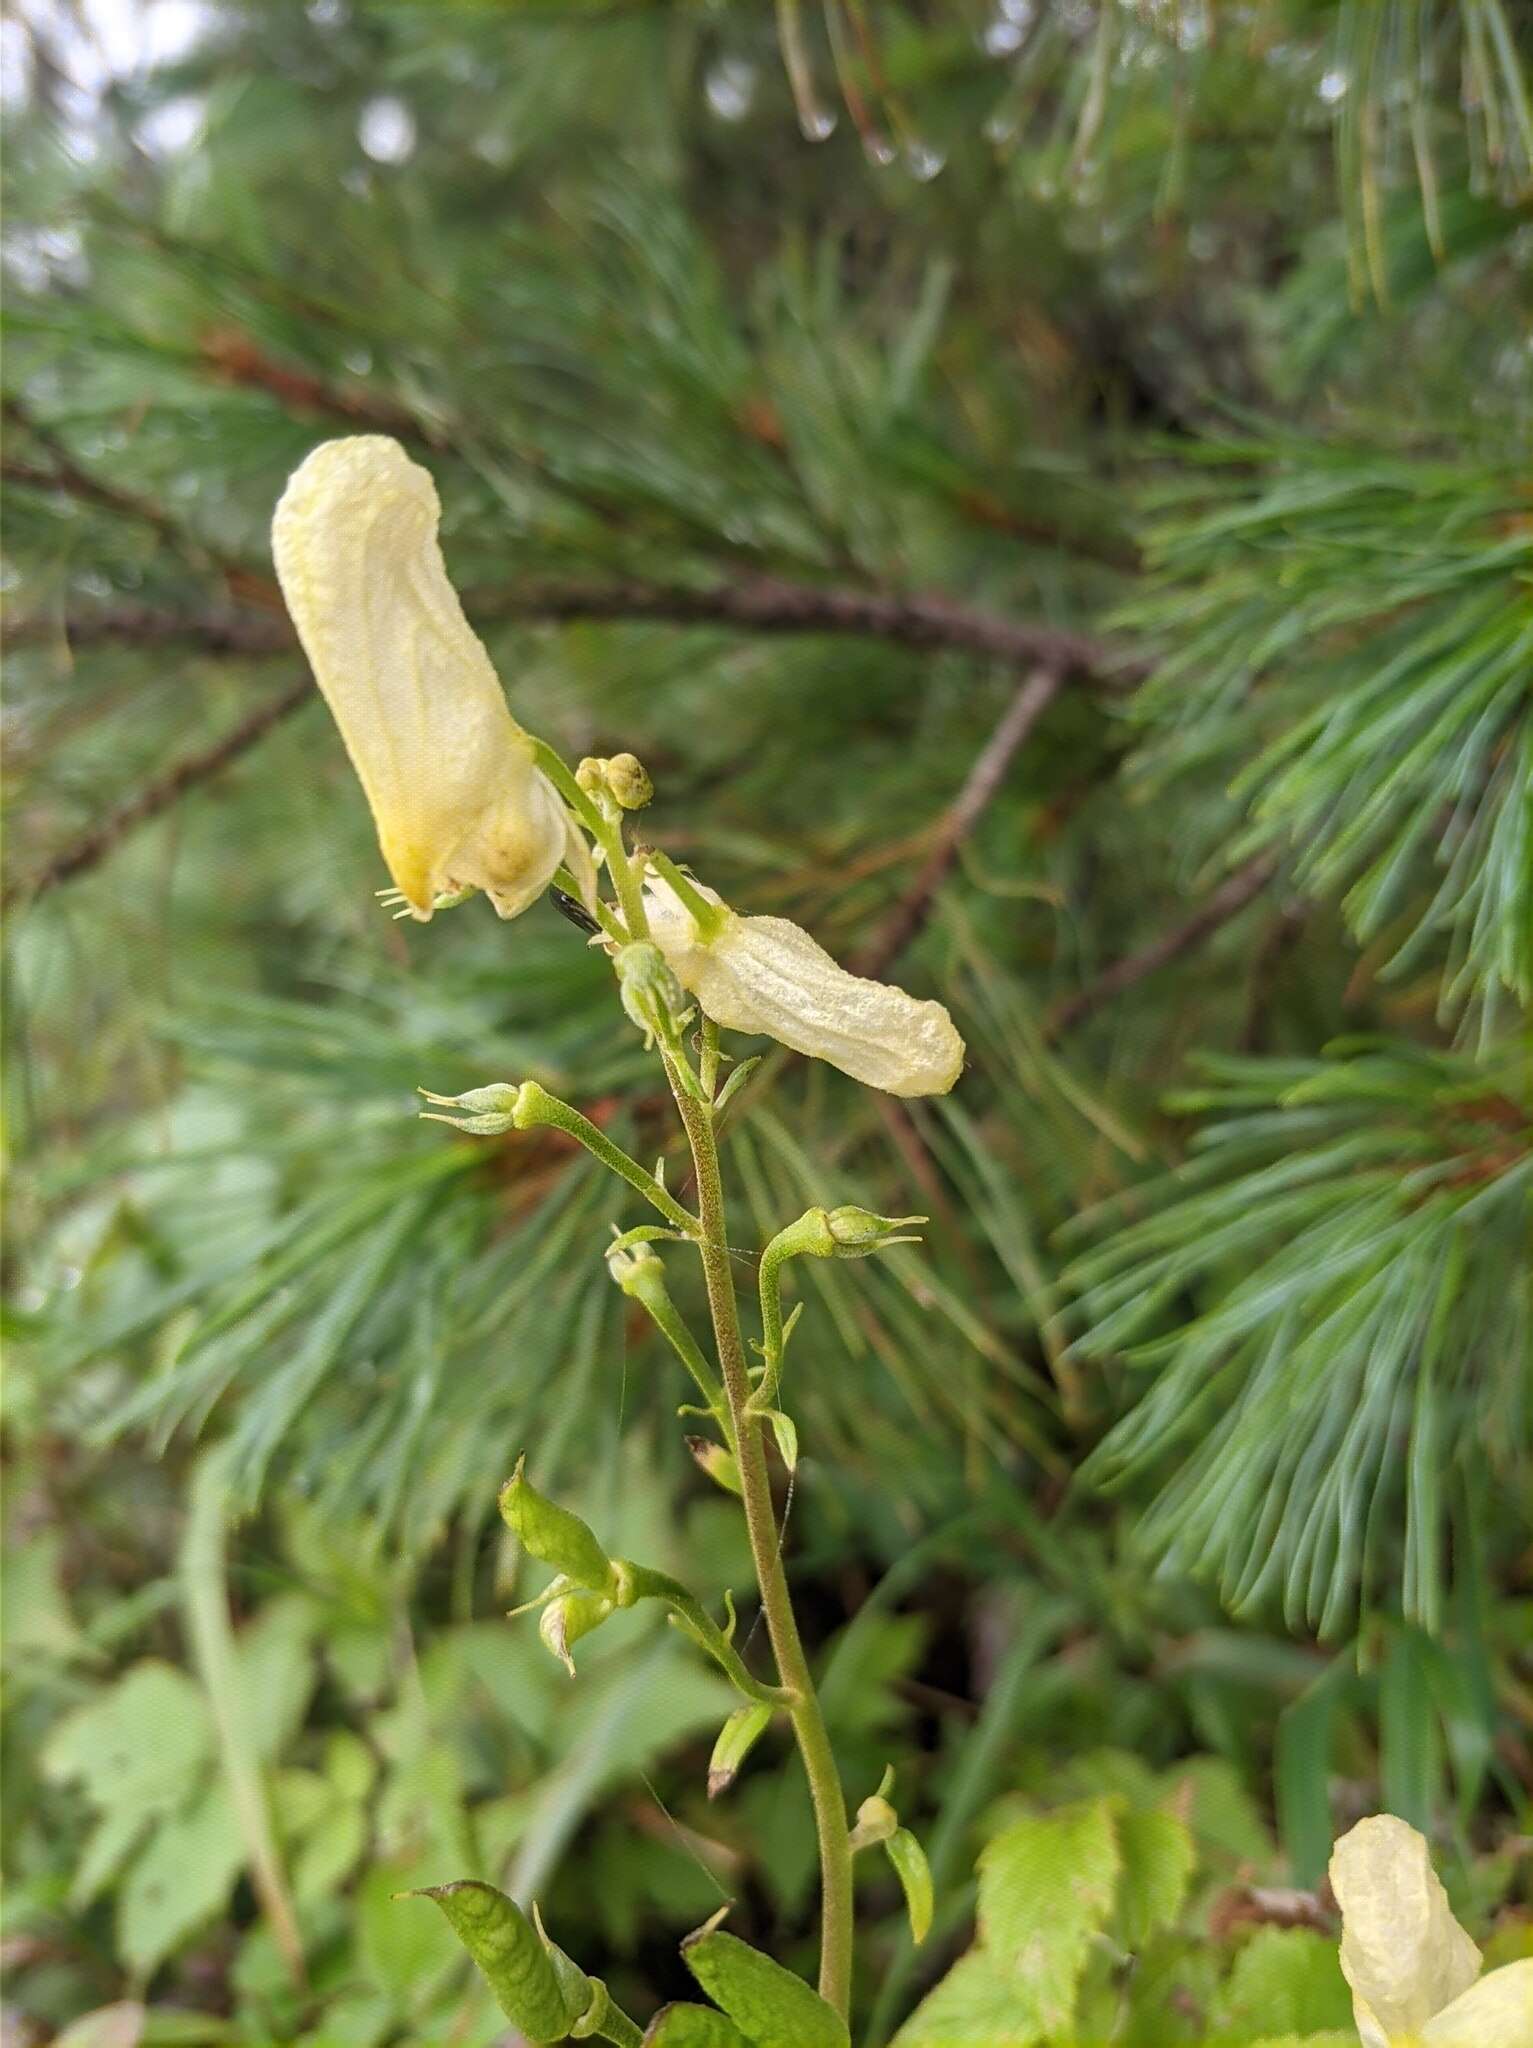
[
  {"x": 65, "y": 473},
  {"x": 1231, "y": 897},
  {"x": 158, "y": 795},
  {"x": 759, "y": 604},
  {"x": 250, "y": 635},
  {"x": 984, "y": 779},
  {"x": 763, "y": 605}
]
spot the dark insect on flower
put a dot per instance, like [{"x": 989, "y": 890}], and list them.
[{"x": 575, "y": 912}]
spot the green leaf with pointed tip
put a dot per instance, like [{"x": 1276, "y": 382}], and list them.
[
  {"x": 510, "y": 1957},
  {"x": 737, "y": 1738},
  {"x": 553, "y": 1535},
  {"x": 770, "y": 2006},
  {"x": 693, "y": 2026},
  {"x": 914, "y": 1873}
]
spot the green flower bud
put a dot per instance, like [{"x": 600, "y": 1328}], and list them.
[
  {"x": 490, "y": 1111},
  {"x": 622, "y": 782},
  {"x": 628, "y": 780},
  {"x": 857, "y": 1232},
  {"x": 554, "y": 1536},
  {"x": 652, "y": 996},
  {"x": 636, "y": 1269},
  {"x": 876, "y": 1822},
  {"x": 572, "y": 1615}
]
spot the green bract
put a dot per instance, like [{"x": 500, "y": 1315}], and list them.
[
  {"x": 506, "y": 1947},
  {"x": 554, "y": 1536}
]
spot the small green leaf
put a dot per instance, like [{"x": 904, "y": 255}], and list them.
[
  {"x": 1046, "y": 1888},
  {"x": 512, "y": 1960},
  {"x": 976, "y": 2005},
  {"x": 737, "y": 1738},
  {"x": 1286, "y": 1980},
  {"x": 181, "y": 1880},
  {"x": 785, "y": 1430},
  {"x": 553, "y": 1535},
  {"x": 139, "y": 1746},
  {"x": 770, "y": 2006},
  {"x": 914, "y": 1874},
  {"x": 1158, "y": 1859},
  {"x": 693, "y": 2026}
]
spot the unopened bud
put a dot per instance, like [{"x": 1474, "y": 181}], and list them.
[
  {"x": 573, "y": 1615},
  {"x": 623, "y": 781},
  {"x": 876, "y": 1818},
  {"x": 652, "y": 996},
  {"x": 855, "y": 1232},
  {"x": 636, "y": 1269},
  {"x": 876, "y": 1822},
  {"x": 628, "y": 779},
  {"x": 487, "y": 1111}
]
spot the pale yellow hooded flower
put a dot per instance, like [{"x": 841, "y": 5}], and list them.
[
  {"x": 448, "y": 772},
  {"x": 763, "y": 974},
  {"x": 1412, "y": 1968}
]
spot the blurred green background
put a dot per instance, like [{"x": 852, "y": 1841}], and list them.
[{"x": 1166, "y": 360}]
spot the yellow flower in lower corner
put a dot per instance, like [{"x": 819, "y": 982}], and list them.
[
  {"x": 763, "y": 974},
  {"x": 1412, "y": 1968},
  {"x": 449, "y": 774}
]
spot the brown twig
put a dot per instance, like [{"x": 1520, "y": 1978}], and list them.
[
  {"x": 757, "y": 604},
  {"x": 252, "y": 634},
  {"x": 158, "y": 795},
  {"x": 1231, "y": 896},
  {"x": 980, "y": 785},
  {"x": 65, "y": 473}
]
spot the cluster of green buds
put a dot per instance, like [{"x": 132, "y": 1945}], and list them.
[{"x": 623, "y": 782}]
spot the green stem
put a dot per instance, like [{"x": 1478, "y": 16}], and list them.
[
  {"x": 689, "y": 1614},
  {"x": 648, "y": 1288},
  {"x": 536, "y": 1109},
  {"x": 776, "y": 1602},
  {"x": 615, "y": 2026}
]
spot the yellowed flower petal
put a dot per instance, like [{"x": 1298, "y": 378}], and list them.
[
  {"x": 1402, "y": 1951},
  {"x": 1495, "y": 2013},
  {"x": 456, "y": 799},
  {"x": 763, "y": 974}
]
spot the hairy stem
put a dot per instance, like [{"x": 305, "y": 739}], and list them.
[{"x": 777, "y": 1605}]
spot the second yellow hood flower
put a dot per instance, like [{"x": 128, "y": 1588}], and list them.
[
  {"x": 448, "y": 772},
  {"x": 1414, "y": 1972},
  {"x": 763, "y": 974}
]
